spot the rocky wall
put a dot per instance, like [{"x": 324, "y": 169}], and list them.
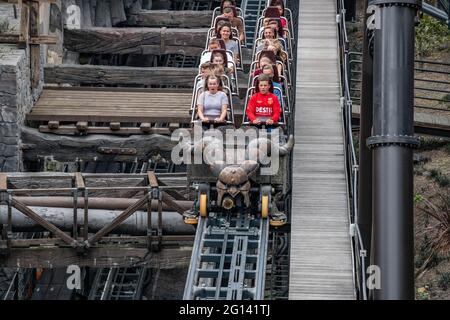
[{"x": 16, "y": 99}]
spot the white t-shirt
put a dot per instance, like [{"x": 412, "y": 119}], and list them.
[
  {"x": 206, "y": 57},
  {"x": 212, "y": 103}
]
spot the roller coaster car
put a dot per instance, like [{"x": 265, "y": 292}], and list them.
[{"x": 248, "y": 187}]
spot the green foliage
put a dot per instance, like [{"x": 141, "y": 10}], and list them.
[
  {"x": 447, "y": 148},
  {"x": 444, "y": 280},
  {"x": 423, "y": 293},
  {"x": 418, "y": 198},
  {"x": 427, "y": 143},
  {"x": 431, "y": 34},
  {"x": 441, "y": 179}
]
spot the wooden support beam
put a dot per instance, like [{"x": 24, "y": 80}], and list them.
[
  {"x": 24, "y": 21},
  {"x": 145, "y": 127},
  {"x": 152, "y": 180},
  {"x": 15, "y": 39},
  {"x": 52, "y": 125},
  {"x": 111, "y": 75},
  {"x": 114, "y": 126},
  {"x": 170, "y": 19},
  {"x": 189, "y": 42},
  {"x": 68, "y": 148},
  {"x": 171, "y": 203},
  {"x": 25, "y": 1},
  {"x": 3, "y": 181},
  {"x": 106, "y": 257},
  {"x": 42, "y": 222},
  {"x": 35, "y": 49},
  {"x": 83, "y": 127},
  {"x": 79, "y": 181}
]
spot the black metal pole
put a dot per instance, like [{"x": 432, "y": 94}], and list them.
[
  {"x": 365, "y": 154},
  {"x": 392, "y": 142}
]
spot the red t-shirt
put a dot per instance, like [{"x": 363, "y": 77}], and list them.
[{"x": 263, "y": 105}]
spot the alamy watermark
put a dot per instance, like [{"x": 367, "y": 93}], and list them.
[{"x": 74, "y": 279}]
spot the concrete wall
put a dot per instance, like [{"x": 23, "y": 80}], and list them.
[{"x": 16, "y": 99}]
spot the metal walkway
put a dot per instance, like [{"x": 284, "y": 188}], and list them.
[
  {"x": 228, "y": 259},
  {"x": 321, "y": 257}
]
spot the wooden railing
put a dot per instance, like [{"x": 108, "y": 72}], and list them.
[{"x": 29, "y": 33}]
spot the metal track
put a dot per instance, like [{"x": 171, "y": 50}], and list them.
[
  {"x": 252, "y": 11},
  {"x": 118, "y": 284},
  {"x": 228, "y": 260}
]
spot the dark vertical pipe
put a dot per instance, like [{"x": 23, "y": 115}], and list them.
[
  {"x": 365, "y": 155},
  {"x": 392, "y": 143}
]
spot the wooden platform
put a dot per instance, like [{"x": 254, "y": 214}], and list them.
[
  {"x": 112, "y": 105},
  {"x": 320, "y": 258}
]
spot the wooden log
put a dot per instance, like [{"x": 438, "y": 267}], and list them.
[
  {"x": 111, "y": 75},
  {"x": 103, "y": 14},
  {"x": 53, "y": 125},
  {"x": 68, "y": 148},
  {"x": 172, "y": 19},
  {"x": 82, "y": 126},
  {"x": 189, "y": 42},
  {"x": 35, "y": 50},
  {"x": 117, "y": 12},
  {"x": 133, "y": 6},
  {"x": 114, "y": 126},
  {"x": 86, "y": 18},
  {"x": 107, "y": 257},
  {"x": 146, "y": 4},
  {"x": 145, "y": 127},
  {"x": 24, "y": 21}
]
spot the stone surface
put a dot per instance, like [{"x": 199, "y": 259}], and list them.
[{"x": 16, "y": 99}]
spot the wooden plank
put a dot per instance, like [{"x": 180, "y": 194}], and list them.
[
  {"x": 10, "y": 38},
  {"x": 77, "y": 74},
  {"x": 80, "y": 126},
  {"x": 35, "y": 49},
  {"x": 24, "y": 21},
  {"x": 152, "y": 180},
  {"x": 114, "y": 126},
  {"x": 135, "y": 40},
  {"x": 170, "y": 19},
  {"x": 85, "y": 128},
  {"x": 52, "y": 125},
  {"x": 85, "y": 147},
  {"x": 3, "y": 182},
  {"x": 65, "y": 90},
  {"x": 25, "y": 1},
  {"x": 107, "y": 257},
  {"x": 43, "y": 39},
  {"x": 101, "y": 117},
  {"x": 79, "y": 181}
]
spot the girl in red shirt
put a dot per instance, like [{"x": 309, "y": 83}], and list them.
[{"x": 263, "y": 106}]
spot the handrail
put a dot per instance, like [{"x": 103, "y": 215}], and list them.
[
  {"x": 358, "y": 251},
  {"x": 428, "y": 67}
]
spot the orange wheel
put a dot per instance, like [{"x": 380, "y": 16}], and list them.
[
  {"x": 203, "y": 205},
  {"x": 265, "y": 207}
]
